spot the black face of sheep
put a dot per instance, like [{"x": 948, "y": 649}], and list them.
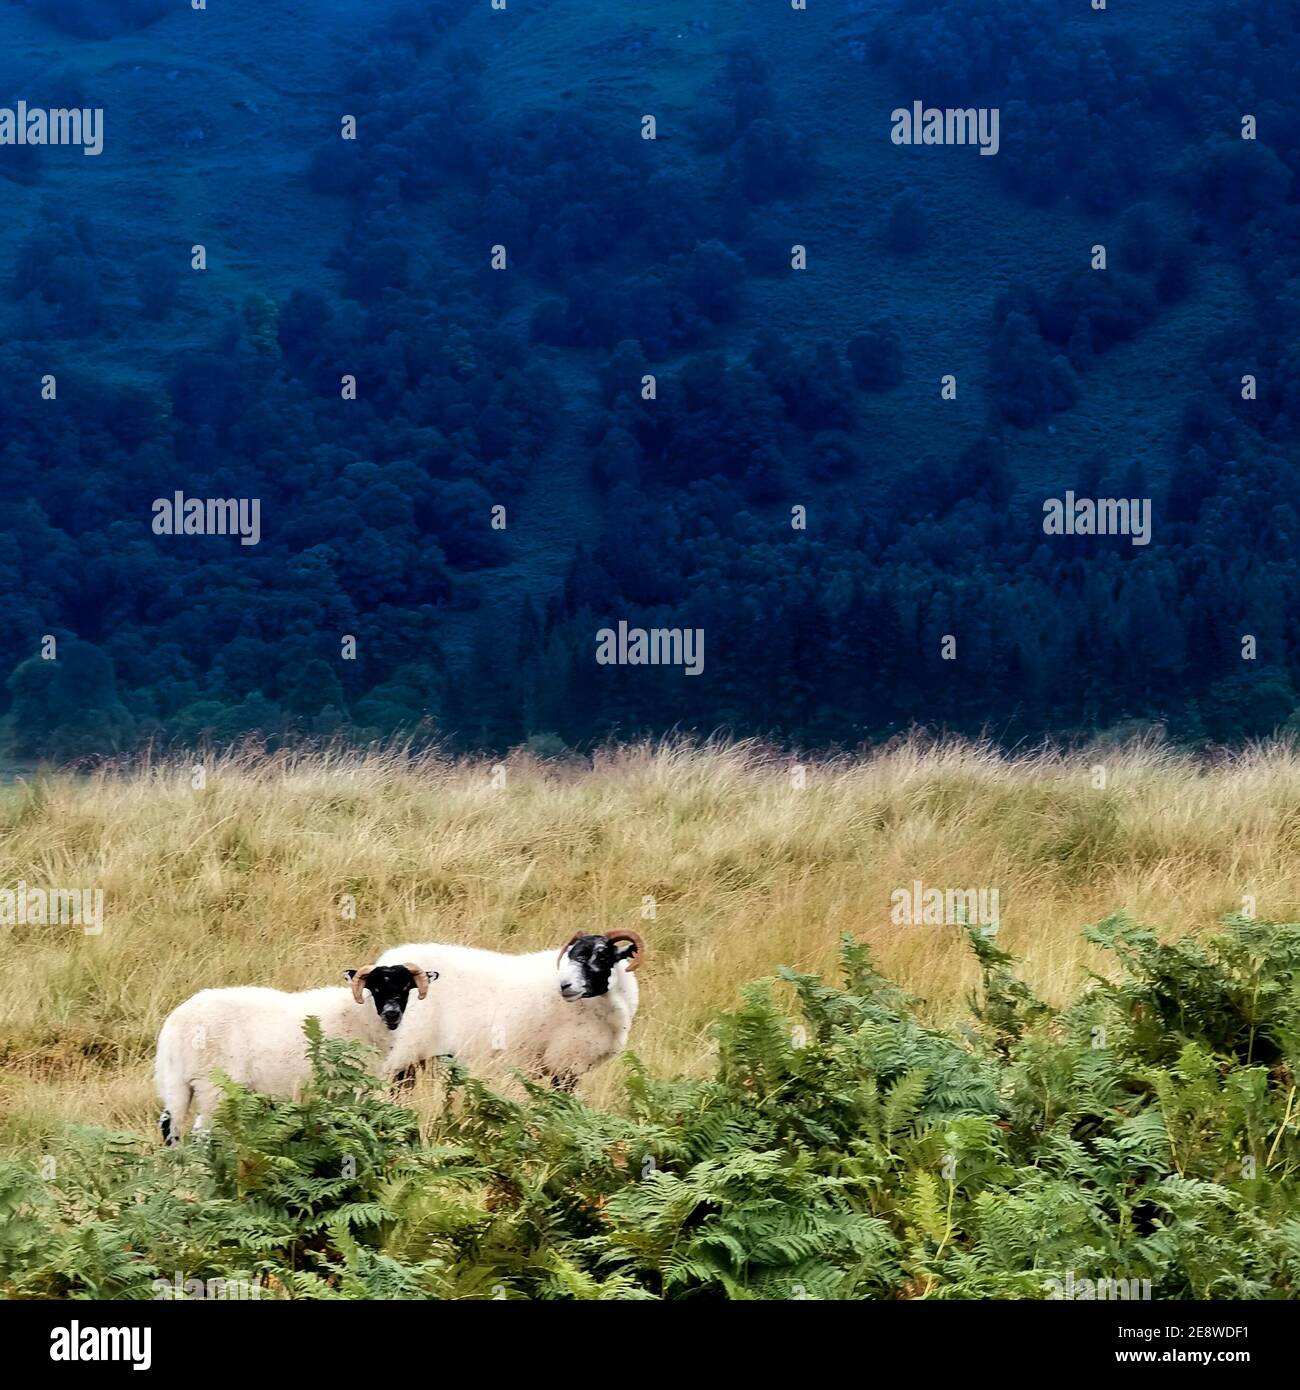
[
  {"x": 587, "y": 961},
  {"x": 390, "y": 987}
]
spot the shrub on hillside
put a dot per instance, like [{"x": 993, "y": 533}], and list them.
[
  {"x": 1088, "y": 312},
  {"x": 771, "y": 160},
  {"x": 1030, "y": 381},
  {"x": 907, "y": 226},
  {"x": 65, "y": 708},
  {"x": 1231, "y": 180},
  {"x": 158, "y": 281},
  {"x": 876, "y": 358},
  {"x": 1141, "y": 238}
]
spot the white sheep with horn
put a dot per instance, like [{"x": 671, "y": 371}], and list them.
[
  {"x": 256, "y": 1037},
  {"x": 549, "y": 1016}
]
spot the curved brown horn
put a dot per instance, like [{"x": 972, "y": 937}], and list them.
[
  {"x": 421, "y": 979},
  {"x": 358, "y": 983},
  {"x": 577, "y": 936},
  {"x": 638, "y": 954}
]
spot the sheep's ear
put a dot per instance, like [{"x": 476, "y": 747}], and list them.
[
  {"x": 624, "y": 950},
  {"x": 348, "y": 974}
]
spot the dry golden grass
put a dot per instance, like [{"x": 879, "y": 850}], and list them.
[{"x": 241, "y": 881}]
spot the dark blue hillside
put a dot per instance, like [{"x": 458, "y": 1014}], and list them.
[{"x": 461, "y": 474}]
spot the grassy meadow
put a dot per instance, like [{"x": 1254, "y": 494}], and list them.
[{"x": 242, "y": 881}]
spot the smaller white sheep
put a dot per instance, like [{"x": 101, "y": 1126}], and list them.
[{"x": 256, "y": 1037}]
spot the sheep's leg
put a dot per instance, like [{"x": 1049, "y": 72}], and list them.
[
  {"x": 177, "y": 1096},
  {"x": 404, "y": 1080},
  {"x": 207, "y": 1098},
  {"x": 564, "y": 1081}
]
